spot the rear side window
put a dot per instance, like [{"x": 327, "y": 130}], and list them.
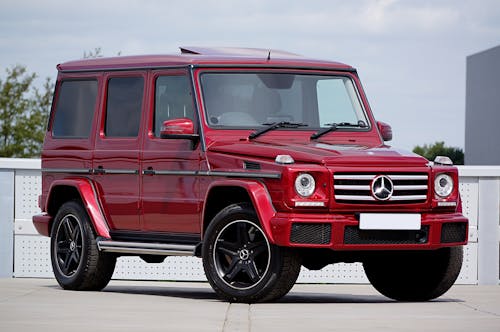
[
  {"x": 123, "y": 111},
  {"x": 75, "y": 109}
]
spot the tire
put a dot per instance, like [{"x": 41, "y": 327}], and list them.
[
  {"x": 240, "y": 263},
  {"x": 414, "y": 276},
  {"x": 76, "y": 261}
]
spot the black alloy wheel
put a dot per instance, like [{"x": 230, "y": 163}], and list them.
[
  {"x": 241, "y": 254},
  {"x": 76, "y": 261},
  {"x": 69, "y": 245},
  {"x": 239, "y": 261}
]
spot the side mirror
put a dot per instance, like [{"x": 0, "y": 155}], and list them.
[
  {"x": 182, "y": 128},
  {"x": 385, "y": 131}
]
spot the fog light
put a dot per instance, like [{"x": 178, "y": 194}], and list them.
[{"x": 310, "y": 204}]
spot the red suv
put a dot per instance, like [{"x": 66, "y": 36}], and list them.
[{"x": 257, "y": 161}]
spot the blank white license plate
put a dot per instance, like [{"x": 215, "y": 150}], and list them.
[{"x": 395, "y": 221}]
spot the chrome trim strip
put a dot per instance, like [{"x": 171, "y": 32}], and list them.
[
  {"x": 354, "y": 177},
  {"x": 408, "y": 177},
  {"x": 140, "y": 248},
  {"x": 89, "y": 171},
  {"x": 349, "y": 187},
  {"x": 354, "y": 198},
  {"x": 371, "y": 176},
  {"x": 409, "y": 187},
  {"x": 247, "y": 175},
  {"x": 408, "y": 198},
  {"x": 68, "y": 170},
  {"x": 192, "y": 173},
  {"x": 119, "y": 171},
  {"x": 244, "y": 175},
  {"x": 103, "y": 171},
  {"x": 370, "y": 198}
]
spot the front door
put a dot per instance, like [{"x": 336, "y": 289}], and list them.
[{"x": 170, "y": 188}]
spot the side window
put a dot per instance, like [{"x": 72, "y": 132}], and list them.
[
  {"x": 75, "y": 109},
  {"x": 123, "y": 107},
  {"x": 172, "y": 100}
]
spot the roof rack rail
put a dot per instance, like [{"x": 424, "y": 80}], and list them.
[{"x": 236, "y": 51}]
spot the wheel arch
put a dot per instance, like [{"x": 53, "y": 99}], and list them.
[
  {"x": 65, "y": 190},
  {"x": 224, "y": 193}
]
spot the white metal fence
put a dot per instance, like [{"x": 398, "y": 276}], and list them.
[{"x": 24, "y": 253}]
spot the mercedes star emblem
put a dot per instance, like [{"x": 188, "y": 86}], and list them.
[{"x": 382, "y": 188}]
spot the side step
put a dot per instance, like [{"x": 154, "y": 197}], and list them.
[{"x": 139, "y": 248}]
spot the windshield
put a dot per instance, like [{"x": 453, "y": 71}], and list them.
[{"x": 252, "y": 100}]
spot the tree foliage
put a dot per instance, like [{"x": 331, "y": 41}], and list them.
[
  {"x": 96, "y": 53},
  {"x": 24, "y": 111},
  {"x": 439, "y": 149}
]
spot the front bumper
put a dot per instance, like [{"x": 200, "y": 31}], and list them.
[{"x": 341, "y": 232}]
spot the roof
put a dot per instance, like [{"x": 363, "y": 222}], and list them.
[{"x": 199, "y": 56}]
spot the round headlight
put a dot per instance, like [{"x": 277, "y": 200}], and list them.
[
  {"x": 443, "y": 185},
  {"x": 305, "y": 185}
]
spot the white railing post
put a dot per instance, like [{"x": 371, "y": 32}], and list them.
[
  {"x": 6, "y": 223},
  {"x": 488, "y": 219}
]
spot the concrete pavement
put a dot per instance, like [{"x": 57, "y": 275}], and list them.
[{"x": 40, "y": 305}]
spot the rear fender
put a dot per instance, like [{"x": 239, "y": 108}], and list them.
[{"x": 88, "y": 195}]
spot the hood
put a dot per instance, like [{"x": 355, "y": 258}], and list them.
[{"x": 322, "y": 153}]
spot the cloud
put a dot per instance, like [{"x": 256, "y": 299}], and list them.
[{"x": 410, "y": 54}]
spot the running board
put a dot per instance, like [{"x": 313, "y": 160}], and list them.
[{"x": 139, "y": 248}]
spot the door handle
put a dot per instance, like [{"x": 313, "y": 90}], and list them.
[
  {"x": 99, "y": 170},
  {"x": 149, "y": 171}
]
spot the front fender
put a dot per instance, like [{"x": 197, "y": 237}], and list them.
[
  {"x": 260, "y": 197},
  {"x": 90, "y": 201}
]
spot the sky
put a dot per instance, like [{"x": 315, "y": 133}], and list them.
[{"x": 410, "y": 54}]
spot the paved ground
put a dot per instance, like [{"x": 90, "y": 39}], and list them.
[{"x": 40, "y": 305}]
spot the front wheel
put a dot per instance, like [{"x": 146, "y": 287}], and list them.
[
  {"x": 414, "y": 275},
  {"x": 240, "y": 263},
  {"x": 76, "y": 260}
]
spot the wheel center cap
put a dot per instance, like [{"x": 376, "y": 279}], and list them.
[
  {"x": 244, "y": 254},
  {"x": 72, "y": 246}
]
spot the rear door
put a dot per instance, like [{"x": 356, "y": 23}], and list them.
[{"x": 117, "y": 149}]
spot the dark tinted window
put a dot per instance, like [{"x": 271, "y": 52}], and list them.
[
  {"x": 123, "y": 111},
  {"x": 173, "y": 100},
  {"x": 75, "y": 109}
]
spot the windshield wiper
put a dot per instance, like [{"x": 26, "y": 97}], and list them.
[
  {"x": 335, "y": 126},
  {"x": 275, "y": 125}
]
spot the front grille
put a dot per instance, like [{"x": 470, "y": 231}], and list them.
[
  {"x": 311, "y": 233},
  {"x": 356, "y": 188},
  {"x": 354, "y": 235},
  {"x": 453, "y": 232}
]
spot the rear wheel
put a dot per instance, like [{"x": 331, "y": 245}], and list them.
[
  {"x": 77, "y": 262},
  {"x": 240, "y": 263},
  {"x": 414, "y": 275}
]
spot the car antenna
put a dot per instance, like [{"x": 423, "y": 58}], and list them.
[{"x": 269, "y": 55}]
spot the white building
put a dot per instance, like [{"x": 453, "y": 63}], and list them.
[{"x": 482, "y": 108}]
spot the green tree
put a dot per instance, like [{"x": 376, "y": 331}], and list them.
[
  {"x": 24, "y": 111},
  {"x": 96, "y": 53},
  {"x": 439, "y": 149}
]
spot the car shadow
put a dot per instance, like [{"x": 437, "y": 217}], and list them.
[
  {"x": 190, "y": 292},
  {"x": 205, "y": 293}
]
